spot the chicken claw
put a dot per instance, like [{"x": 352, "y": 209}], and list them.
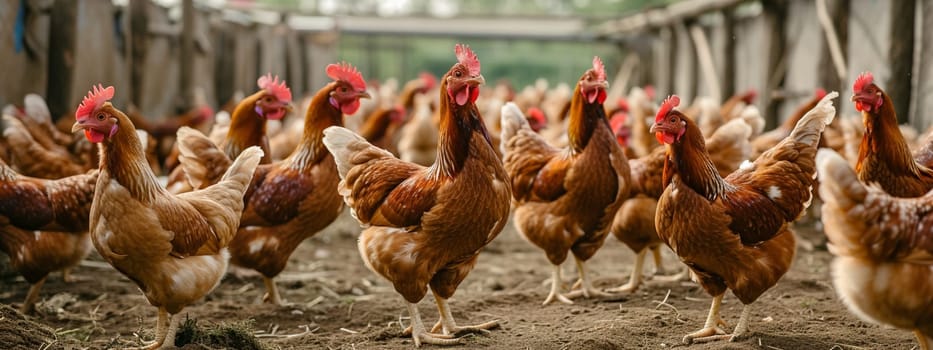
[
  {"x": 272, "y": 295},
  {"x": 555, "y": 289},
  {"x": 447, "y": 325},
  {"x": 586, "y": 288},
  {"x": 420, "y": 336}
]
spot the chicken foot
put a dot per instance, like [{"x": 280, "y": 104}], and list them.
[
  {"x": 421, "y": 336},
  {"x": 923, "y": 340},
  {"x": 29, "y": 305},
  {"x": 635, "y": 279},
  {"x": 711, "y": 330},
  {"x": 447, "y": 325},
  {"x": 161, "y": 328},
  {"x": 586, "y": 287},
  {"x": 272, "y": 295},
  {"x": 169, "y": 337},
  {"x": 555, "y": 288}
]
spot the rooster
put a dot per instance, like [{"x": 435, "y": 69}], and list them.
[
  {"x": 172, "y": 246},
  {"x": 733, "y": 232},
  {"x": 565, "y": 199},
  {"x": 425, "y": 226},
  {"x": 290, "y": 200},
  {"x": 883, "y": 245},
  {"x": 883, "y": 155}
]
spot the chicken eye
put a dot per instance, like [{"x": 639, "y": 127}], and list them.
[
  {"x": 673, "y": 119},
  {"x": 343, "y": 89},
  {"x": 458, "y": 74},
  {"x": 100, "y": 117}
]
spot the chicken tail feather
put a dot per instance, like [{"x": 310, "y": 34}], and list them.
[
  {"x": 513, "y": 120},
  {"x": 201, "y": 160},
  {"x": 347, "y": 147},
  {"x": 810, "y": 127}
]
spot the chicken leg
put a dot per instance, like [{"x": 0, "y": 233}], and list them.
[
  {"x": 449, "y": 326},
  {"x": 272, "y": 295},
  {"x": 555, "y": 288},
  {"x": 586, "y": 287},
  {"x": 658, "y": 261},
  {"x": 29, "y": 305},
  {"x": 740, "y": 330},
  {"x": 924, "y": 341},
  {"x": 169, "y": 337},
  {"x": 711, "y": 330},
  {"x": 161, "y": 328},
  {"x": 421, "y": 336},
  {"x": 635, "y": 279}
]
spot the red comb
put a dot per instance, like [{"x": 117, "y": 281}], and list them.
[
  {"x": 617, "y": 120},
  {"x": 346, "y": 72},
  {"x": 94, "y": 99},
  {"x": 599, "y": 68},
  {"x": 749, "y": 96},
  {"x": 536, "y": 113},
  {"x": 429, "y": 80},
  {"x": 649, "y": 90},
  {"x": 467, "y": 58},
  {"x": 863, "y": 80},
  {"x": 666, "y": 107},
  {"x": 820, "y": 93},
  {"x": 275, "y": 86}
]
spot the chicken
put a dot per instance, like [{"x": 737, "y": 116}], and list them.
[
  {"x": 883, "y": 155},
  {"x": 32, "y": 158},
  {"x": 633, "y": 224},
  {"x": 733, "y": 107},
  {"x": 44, "y": 225},
  {"x": 381, "y": 127},
  {"x": 425, "y": 226},
  {"x": 418, "y": 137},
  {"x": 767, "y": 140},
  {"x": 247, "y": 125},
  {"x": 289, "y": 200},
  {"x": 641, "y": 108},
  {"x": 565, "y": 199},
  {"x": 733, "y": 232},
  {"x": 883, "y": 270},
  {"x": 172, "y": 246}
]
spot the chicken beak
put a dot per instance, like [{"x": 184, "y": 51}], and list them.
[
  {"x": 363, "y": 94},
  {"x": 854, "y": 97},
  {"x": 605, "y": 85},
  {"x": 79, "y": 125},
  {"x": 654, "y": 128},
  {"x": 477, "y": 80}
]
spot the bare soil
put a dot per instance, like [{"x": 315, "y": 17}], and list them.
[{"x": 336, "y": 303}]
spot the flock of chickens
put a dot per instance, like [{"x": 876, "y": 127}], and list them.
[{"x": 432, "y": 180}]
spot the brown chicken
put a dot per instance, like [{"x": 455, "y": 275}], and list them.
[
  {"x": 290, "y": 200},
  {"x": 634, "y": 225},
  {"x": 44, "y": 225},
  {"x": 565, "y": 199},
  {"x": 883, "y": 245},
  {"x": 883, "y": 155},
  {"x": 733, "y": 232},
  {"x": 418, "y": 137},
  {"x": 381, "y": 127},
  {"x": 767, "y": 140},
  {"x": 247, "y": 125},
  {"x": 425, "y": 226},
  {"x": 172, "y": 246},
  {"x": 32, "y": 158}
]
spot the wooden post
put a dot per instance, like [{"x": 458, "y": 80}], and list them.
[
  {"x": 828, "y": 78},
  {"x": 728, "y": 67},
  {"x": 901, "y": 56},
  {"x": 61, "y": 56},
  {"x": 186, "y": 56},
  {"x": 138, "y": 44},
  {"x": 776, "y": 15}
]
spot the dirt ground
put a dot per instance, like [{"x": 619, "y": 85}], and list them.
[{"x": 336, "y": 303}]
